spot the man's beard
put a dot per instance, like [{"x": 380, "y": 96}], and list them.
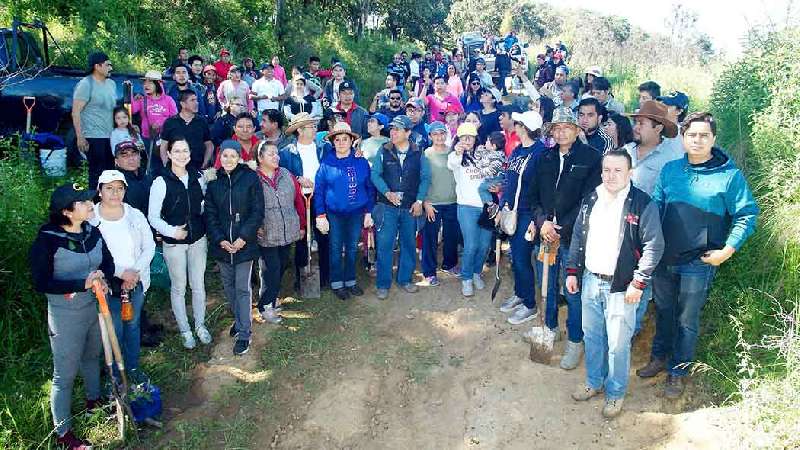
[{"x": 591, "y": 131}]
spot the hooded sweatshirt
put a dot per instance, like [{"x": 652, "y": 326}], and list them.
[
  {"x": 158, "y": 110},
  {"x": 703, "y": 207},
  {"x": 343, "y": 186}
]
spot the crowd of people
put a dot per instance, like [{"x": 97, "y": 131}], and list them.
[{"x": 225, "y": 162}]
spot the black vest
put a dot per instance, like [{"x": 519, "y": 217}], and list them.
[
  {"x": 183, "y": 206},
  {"x": 401, "y": 178}
]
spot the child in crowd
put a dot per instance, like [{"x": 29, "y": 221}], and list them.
[
  {"x": 124, "y": 130},
  {"x": 492, "y": 167}
]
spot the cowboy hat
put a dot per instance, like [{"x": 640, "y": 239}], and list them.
[
  {"x": 300, "y": 120},
  {"x": 342, "y": 128},
  {"x": 152, "y": 75},
  {"x": 657, "y": 111}
]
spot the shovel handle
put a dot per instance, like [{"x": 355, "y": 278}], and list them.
[{"x": 110, "y": 331}]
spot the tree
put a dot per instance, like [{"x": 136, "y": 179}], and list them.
[
  {"x": 477, "y": 15},
  {"x": 535, "y": 20}
]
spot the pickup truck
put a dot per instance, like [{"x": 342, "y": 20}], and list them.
[
  {"x": 26, "y": 71},
  {"x": 472, "y": 43}
]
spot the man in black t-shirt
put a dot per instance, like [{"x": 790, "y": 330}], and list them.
[{"x": 188, "y": 125}]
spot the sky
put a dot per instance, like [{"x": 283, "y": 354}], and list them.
[{"x": 725, "y": 21}]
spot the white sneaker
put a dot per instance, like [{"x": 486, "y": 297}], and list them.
[
  {"x": 510, "y": 304},
  {"x": 522, "y": 314},
  {"x": 478, "y": 282},
  {"x": 203, "y": 335},
  {"x": 270, "y": 315},
  {"x": 188, "y": 340},
  {"x": 466, "y": 288}
]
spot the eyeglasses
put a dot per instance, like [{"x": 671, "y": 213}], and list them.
[{"x": 475, "y": 83}]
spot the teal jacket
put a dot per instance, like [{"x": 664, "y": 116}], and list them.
[{"x": 703, "y": 207}]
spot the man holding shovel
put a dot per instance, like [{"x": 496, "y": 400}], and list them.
[
  {"x": 564, "y": 175},
  {"x": 616, "y": 245}
]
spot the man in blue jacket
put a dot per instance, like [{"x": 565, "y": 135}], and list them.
[
  {"x": 181, "y": 75},
  {"x": 401, "y": 174},
  {"x": 707, "y": 213}
]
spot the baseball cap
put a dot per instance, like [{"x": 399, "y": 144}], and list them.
[
  {"x": 530, "y": 119},
  {"x": 380, "y": 118},
  {"x": 224, "y": 51},
  {"x": 96, "y": 58},
  {"x": 209, "y": 68},
  {"x": 340, "y": 64},
  {"x": 125, "y": 145},
  {"x": 231, "y": 144},
  {"x": 480, "y": 61},
  {"x": 466, "y": 129},
  {"x": 401, "y": 121},
  {"x": 416, "y": 103},
  {"x": 436, "y": 127},
  {"x": 67, "y": 194},
  {"x": 346, "y": 85},
  {"x": 110, "y": 175},
  {"x": 563, "y": 69},
  {"x": 675, "y": 98}
]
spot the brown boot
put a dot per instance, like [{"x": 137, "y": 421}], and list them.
[{"x": 653, "y": 368}]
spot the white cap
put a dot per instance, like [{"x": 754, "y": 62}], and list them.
[
  {"x": 110, "y": 175},
  {"x": 531, "y": 119}
]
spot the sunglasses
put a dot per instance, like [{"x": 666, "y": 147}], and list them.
[{"x": 394, "y": 98}]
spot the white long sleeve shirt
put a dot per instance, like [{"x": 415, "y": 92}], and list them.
[
  {"x": 158, "y": 190},
  {"x": 468, "y": 180},
  {"x": 129, "y": 240}
]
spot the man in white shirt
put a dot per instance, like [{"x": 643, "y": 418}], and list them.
[
  {"x": 616, "y": 244},
  {"x": 267, "y": 91}
]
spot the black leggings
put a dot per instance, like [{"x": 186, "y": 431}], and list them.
[
  {"x": 273, "y": 264},
  {"x": 99, "y": 158}
]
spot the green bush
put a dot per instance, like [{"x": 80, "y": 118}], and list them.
[{"x": 747, "y": 339}]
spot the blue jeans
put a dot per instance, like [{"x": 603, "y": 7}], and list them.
[
  {"x": 521, "y": 264},
  {"x": 128, "y": 332},
  {"x": 445, "y": 218},
  {"x": 641, "y": 308},
  {"x": 557, "y": 274},
  {"x": 476, "y": 241},
  {"x": 389, "y": 222},
  {"x": 608, "y": 327},
  {"x": 345, "y": 230},
  {"x": 680, "y": 293}
]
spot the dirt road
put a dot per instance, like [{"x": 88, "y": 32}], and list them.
[{"x": 434, "y": 370}]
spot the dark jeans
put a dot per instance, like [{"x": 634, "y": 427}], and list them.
[
  {"x": 447, "y": 220},
  {"x": 100, "y": 159},
  {"x": 556, "y": 275},
  {"x": 301, "y": 253},
  {"x": 273, "y": 264},
  {"x": 503, "y": 75},
  {"x": 236, "y": 284},
  {"x": 128, "y": 333},
  {"x": 392, "y": 224},
  {"x": 345, "y": 230},
  {"x": 680, "y": 293},
  {"x": 521, "y": 264}
]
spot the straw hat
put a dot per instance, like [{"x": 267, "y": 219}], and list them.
[
  {"x": 342, "y": 128},
  {"x": 300, "y": 120},
  {"x": 657, "y": 111},
  {"x": 152, "y": 75}
]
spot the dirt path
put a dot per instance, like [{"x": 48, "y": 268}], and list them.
[{"x": 436, "y": 370}]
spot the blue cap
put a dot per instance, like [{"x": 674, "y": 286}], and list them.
[
  {"x": 402, "y": 121},
  {"x": 436, "y": 127},
  {"x": 675, "y": 98},
  {"x": 230, "y": 143},
  {"x": 381, "y": 118},
  {"x": 346, "y": 85}
]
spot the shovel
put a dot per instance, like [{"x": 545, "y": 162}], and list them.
[
  {"x": 542, "y": 337},
  {"x": 309, "y": 278},
  {"x": 112, "y": 352},
  {"x": 497, "y": 279}
]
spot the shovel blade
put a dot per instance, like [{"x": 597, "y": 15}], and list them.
[
  {"x": 541, "y": 353},
  {"x": 309, "y": 282},
  {"x": 495, "y": 288}
]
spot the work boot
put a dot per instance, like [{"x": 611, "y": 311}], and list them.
[
  {"x": 612, "y": 408},
  {"x": 572, "y": 355},
  {"x": 653, "y": 368},
  {"x": 510, "y": 304},
  {"x": 585, "y": 393},
  {"x": 674, "y": 387}
]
